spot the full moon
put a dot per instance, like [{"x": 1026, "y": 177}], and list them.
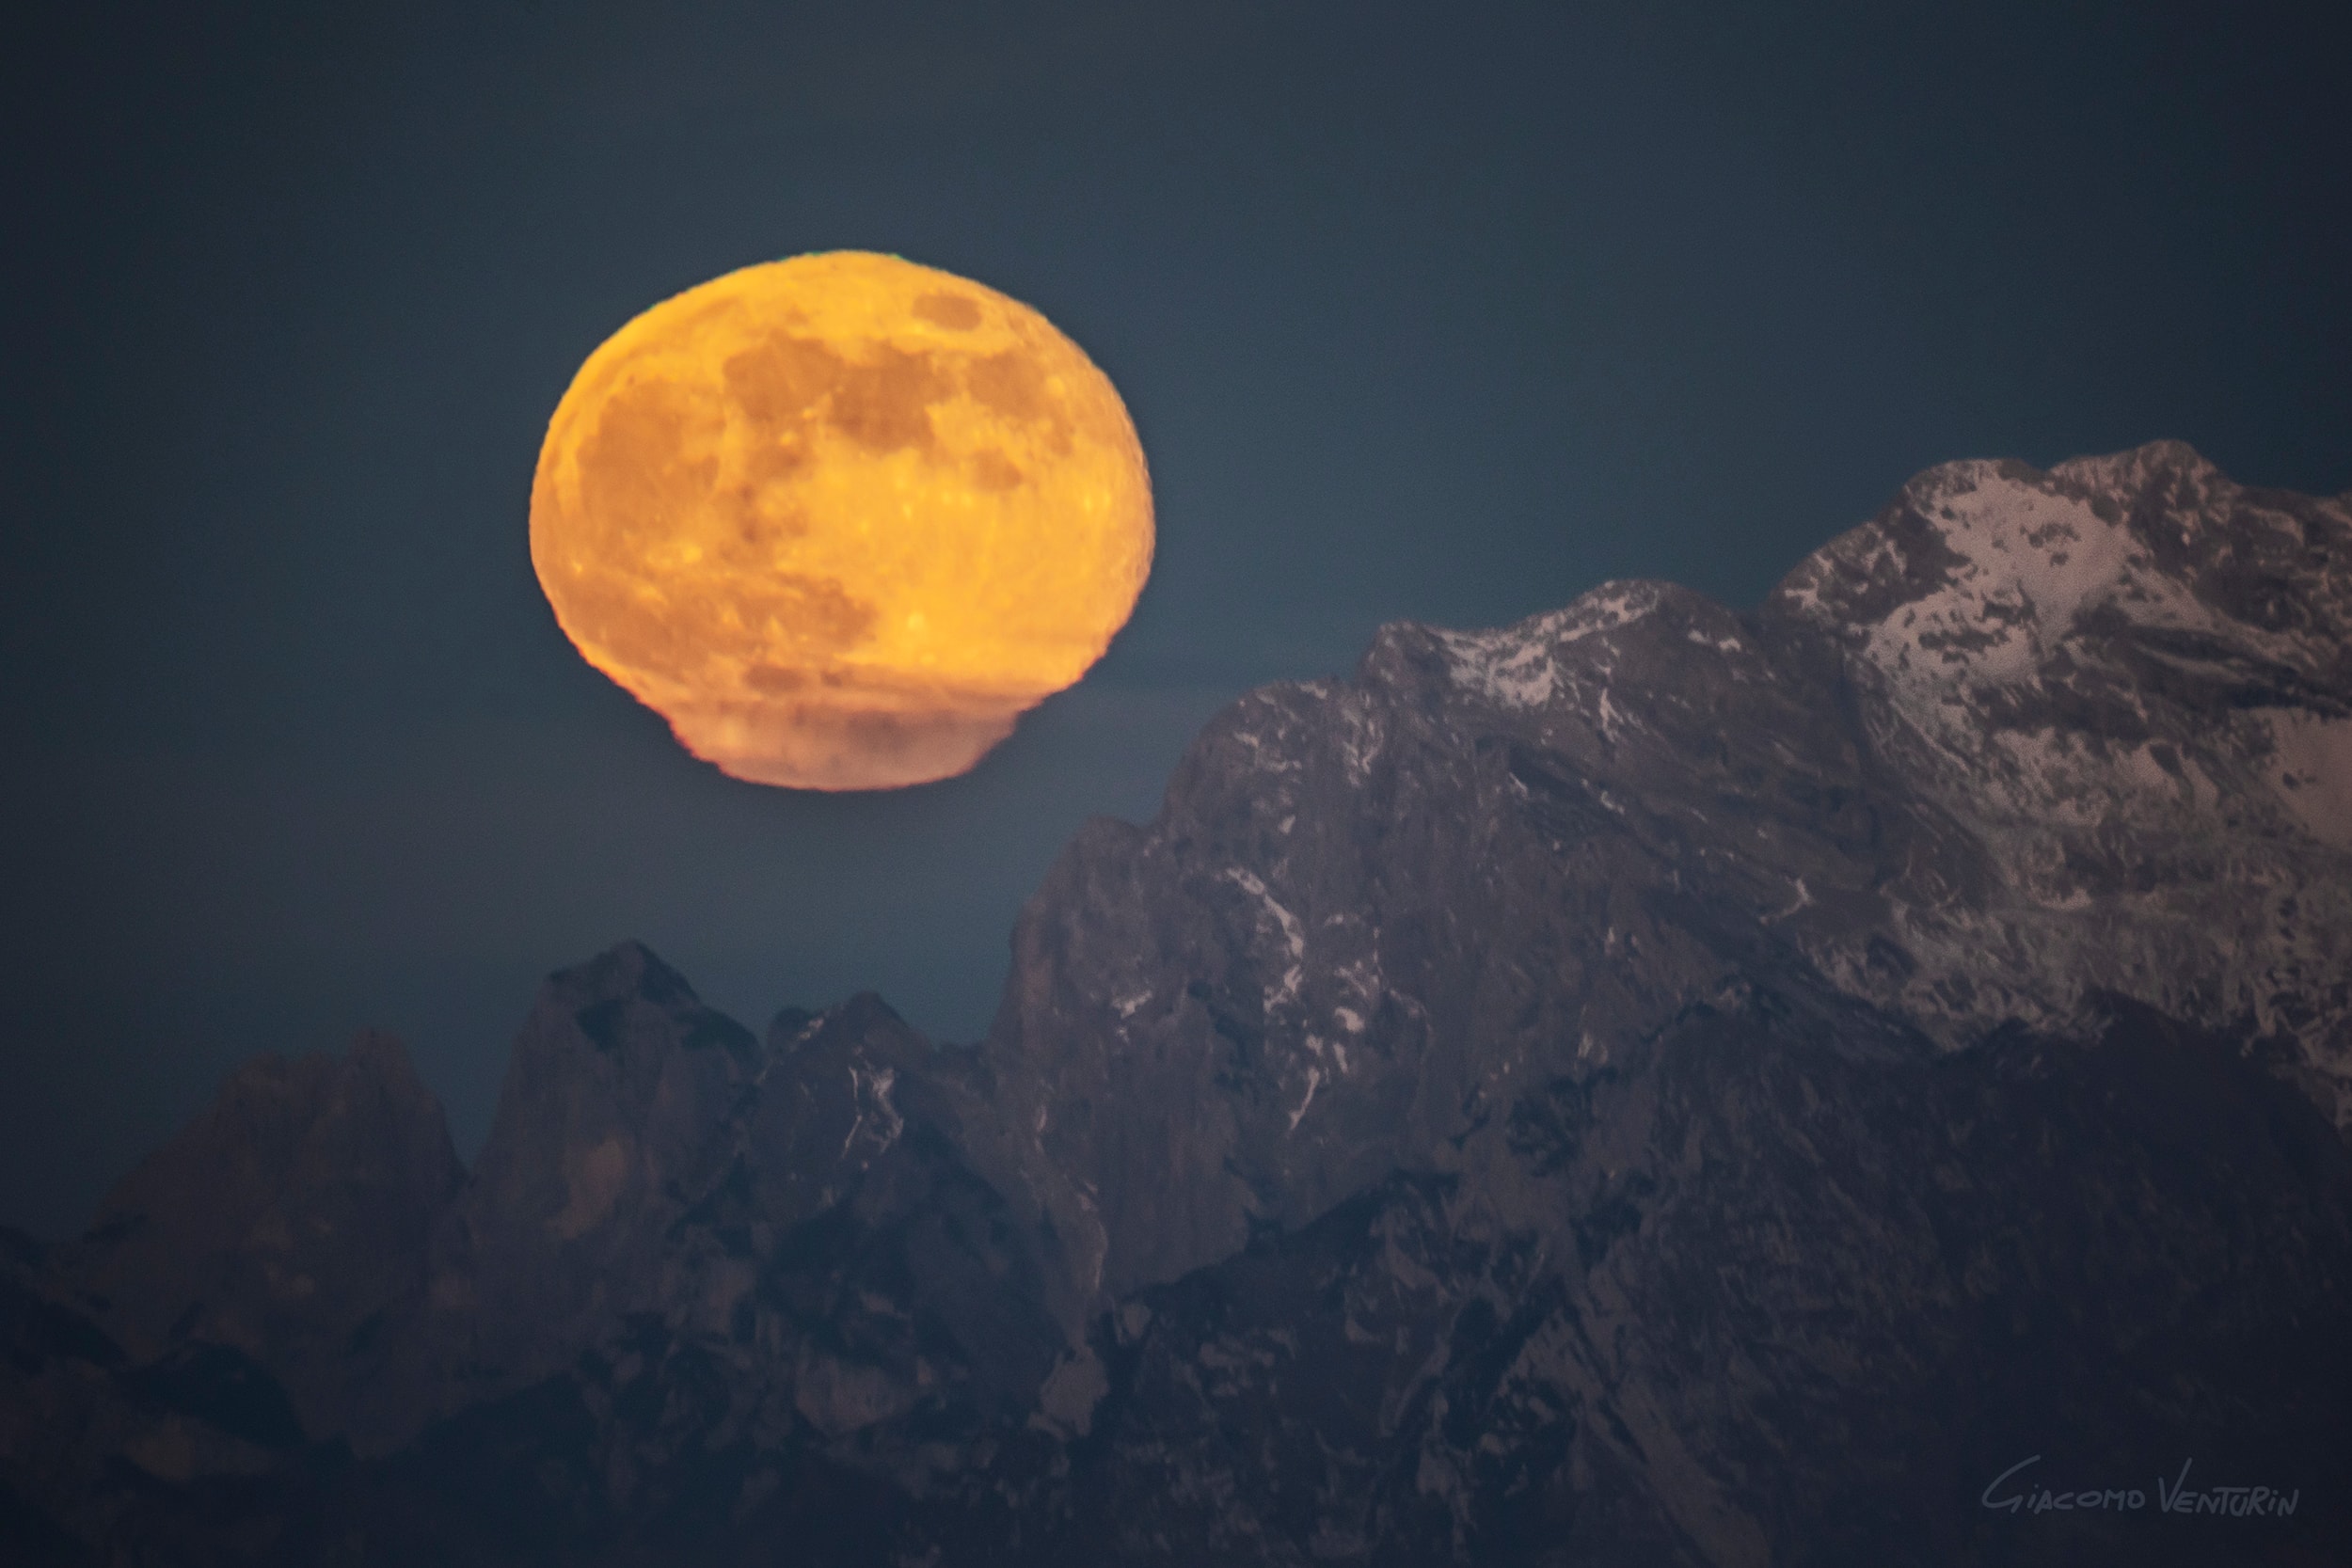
[{"x": 841, "y": 520}]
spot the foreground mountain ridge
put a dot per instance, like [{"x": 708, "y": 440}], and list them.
[{"x": 1651, "y": 1083}]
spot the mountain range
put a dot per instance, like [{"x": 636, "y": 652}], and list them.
[{"x": 1839, "y": 1083}]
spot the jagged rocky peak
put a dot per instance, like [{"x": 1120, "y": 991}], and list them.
[
  {"x": 1369, "y": 909},
  {"x": 652, "y": 1164},
  {"x": 792, "y": 1228},
  {"x": 287, "y": 1221},
  {"x": 619, "y": 1099},
  {"x": 1984, "y": 575},
  {"x": 2158, "y": 534},
  {"x": 619, "y": 1063},
  {"x": 2128, "y": 681},
  {"x": 2022, "y": 741},
  {"x": 627, "y": 1003}
]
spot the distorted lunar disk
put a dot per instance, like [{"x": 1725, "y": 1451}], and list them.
[{"x": 841, "y": 520}]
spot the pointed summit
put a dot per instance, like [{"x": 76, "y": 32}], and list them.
[
  {"x": 625, "y": 968},
  {"x": 618, "y": 1097}
]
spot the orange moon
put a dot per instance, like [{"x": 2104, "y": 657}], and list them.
[{"x": 841, "y": 520}]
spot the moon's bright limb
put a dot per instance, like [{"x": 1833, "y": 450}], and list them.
[{"x": 841, "y": 520}]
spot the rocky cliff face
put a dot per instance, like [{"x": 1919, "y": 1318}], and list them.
[
  {"x": 1649, "y": 1085},
  {"x": 2022, "y": 739},
  {"x": 2127, "y": 684},
  {"x": 796, "y": 1211}
]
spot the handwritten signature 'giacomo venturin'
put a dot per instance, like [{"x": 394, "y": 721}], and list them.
[{"x": 2237, "y": 1502}]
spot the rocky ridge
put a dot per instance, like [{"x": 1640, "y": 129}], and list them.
[
  {"x": 1649, "y": 1085},
  {"x": 2022, "y": 741}
]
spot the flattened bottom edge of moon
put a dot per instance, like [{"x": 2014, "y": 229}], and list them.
[{"x": 842, "y": 745}]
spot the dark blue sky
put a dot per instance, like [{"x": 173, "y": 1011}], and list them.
[{"x": 1419, "y": 315}]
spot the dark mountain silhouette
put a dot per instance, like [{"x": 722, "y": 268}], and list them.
[{"x": 1652, "y": 1085}]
